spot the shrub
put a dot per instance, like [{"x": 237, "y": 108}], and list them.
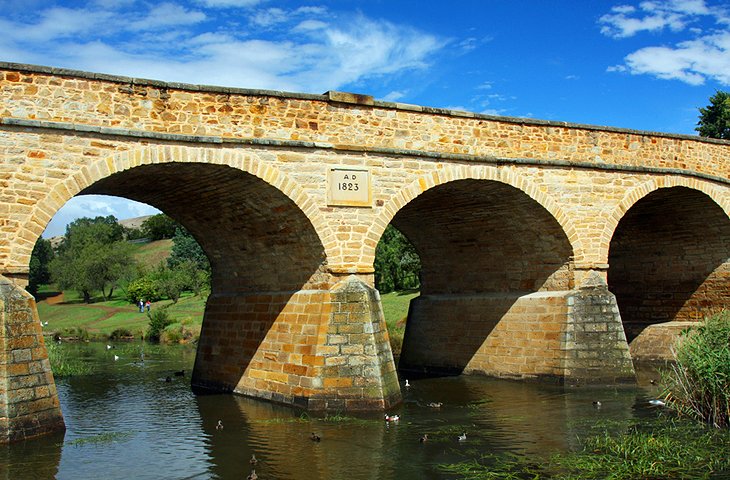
[
  {"x": 698, "y": 384},
  {"x": 180, "y": 333},
  {"x": 75, "y": 333},
  {"x": 120, "y": 333},
  {"x": 159, "y": 319},
  {"x": 143, "y": 288}
]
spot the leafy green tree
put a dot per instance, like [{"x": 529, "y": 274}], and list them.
[
  {"x": 186, "y": 249},
  {"x": 40, "y": 260},
  {"x": 93, "y": 257},
  {"x": 84, "y": 231},
  {"x": 715, "y": 118},
  {"x": 170, "y": 282},
  {"x": 158, "y": 227},
  {"x": 397, "y": 264}
]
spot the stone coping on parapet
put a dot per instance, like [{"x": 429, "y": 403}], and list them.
[
  {"x": 339, "y": 97},
  {"x": 295, "y": 144}
]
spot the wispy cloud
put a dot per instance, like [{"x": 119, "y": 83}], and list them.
[
  {"x": 705, "y": 56},
  {"x": 304, "y": 49}
]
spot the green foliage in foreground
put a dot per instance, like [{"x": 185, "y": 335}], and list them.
[
  {"x": 63, "y": 365},
  {"x": 671, "y": 449},
  {"x": 159, "y": 319},
  {"x": 698, "y": 384}
]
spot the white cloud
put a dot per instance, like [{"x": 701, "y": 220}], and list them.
[
  {"x": 703, "y": 55},
  {"x": 652, "y": 16},
  {"x": 296, "y": 50},
  {"x": 269, "y": 17},
  {"x": 167, "y": 15},
  {"x": 692, "y": 62},
  {"x": 229, "y": 3},
  {"x": 394, "y": 96}
]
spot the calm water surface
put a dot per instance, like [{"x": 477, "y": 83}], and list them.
[{"x": 127, "y": 422}]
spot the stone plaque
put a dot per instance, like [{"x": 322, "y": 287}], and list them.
[{"x": 349, "y": 187}]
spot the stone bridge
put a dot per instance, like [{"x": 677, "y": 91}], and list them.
[{"x": 547, "y": 247}]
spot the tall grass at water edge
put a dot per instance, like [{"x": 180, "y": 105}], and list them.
[
  {"x": 698, "y": 383},
  {"x": 65, "y": 365}
]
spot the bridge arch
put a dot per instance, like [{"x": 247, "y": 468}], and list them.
[
  {"x": 445, "y": 174},
  {"x": 669, "y": 253},
  {"x": 633, "y": 195},
  {"x": 85, "y": 178},
  {"x": 495, "y": 265}
]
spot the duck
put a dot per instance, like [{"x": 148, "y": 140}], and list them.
[
  {"x": 314, "y": 437},
  {"x": 116, "y": 357},
  {"x": 658, "y": 403},
  {"x": 392, "y": 418},
  {"x": 253, "y": 460},
  {"x": 252, "y": 475},
  {"x": 168, "y": 379},
  {"x": 408, "y": 385},
  {"x": 181, "y": 373},
  {"x": 219, "y": 425},
  {"x": 108, "y": 347},
  {"x": 424, "y": 438},
  {"x": 462, "y": 437},
  {"x": 435, "y": 404},
  {"x": 597, "y": 403}
]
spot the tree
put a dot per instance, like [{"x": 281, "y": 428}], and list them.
[
  {"x": 397, "y": 264},
  {"x": 93, "y": 257},
  {"x": 158, "y": 227},
  {"x": 715, "y": 118},
  {"x": 170, "y": 282},
  {"x": 40, "y": 260},
  {"x": 84, "y": 231},
  {"x": 186, "y": 249}
]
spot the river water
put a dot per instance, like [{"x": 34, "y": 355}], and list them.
[{"x": 126, "y": 421}]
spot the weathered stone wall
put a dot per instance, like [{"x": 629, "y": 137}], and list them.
[
  {"x": 322, "y": 350},
  {"x": 28, "y": 400},
  {"x": 504, "y": 335}
]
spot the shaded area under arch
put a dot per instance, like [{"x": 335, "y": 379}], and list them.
[
  {"x": 668, "y": 259},
  {"x": 495, "y": 269},
  {"x": 269, "y": 283}
]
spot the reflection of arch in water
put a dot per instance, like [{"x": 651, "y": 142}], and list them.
[
  {"x": 496, "y": 266},
  {"x": 668, "y": 257}
]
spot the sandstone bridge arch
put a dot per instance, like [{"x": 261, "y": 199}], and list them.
[{"x": 294, "y": 317}]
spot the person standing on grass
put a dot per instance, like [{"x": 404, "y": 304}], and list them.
[
  {"x": 148, "y": 305},
  {"x": 141, "y": 306}
]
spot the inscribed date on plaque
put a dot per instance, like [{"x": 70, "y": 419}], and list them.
[{"x": 349, "y": 187}]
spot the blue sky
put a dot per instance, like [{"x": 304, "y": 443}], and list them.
[{"x": 644, "y": 65}]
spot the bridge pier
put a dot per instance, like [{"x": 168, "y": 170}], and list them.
[
  {"x": 569, "y": 336},
  {"x": 29, "y": 404},
  {"x": 316, "y": 349}
]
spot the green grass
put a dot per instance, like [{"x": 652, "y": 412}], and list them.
[
  {"x": 668, "y": 449},
  {"x": 152, "y": 253},
  {"x": 395, "y": 307},
  {"x": 102, "y": 318},
  {"x": 395, "y": 311}
]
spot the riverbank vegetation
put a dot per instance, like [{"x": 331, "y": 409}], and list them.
[
  {"x": 698, "y": 383},
  {"x": 661, "y": 449}
]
